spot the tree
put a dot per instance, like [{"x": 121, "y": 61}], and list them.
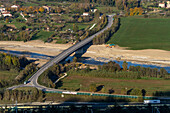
[
  {"x": 163, "y": 72},
  {"x": 41, "y": 9},
  {"x": 7, "y": 20},
  {"x": 8, "y": 61},
  {"x": 75, "y": 59},
  {"x": 80, "y": 19},
  {"x": 119, "y": 4},
  {"x": 136, "y": 92},
  {"x": 75, "y": 28},
  {"x": 125, "y": 66},
  {"x": 59, "y": 10},
  {"x": 15, "y": 62},
  {"x": 93, "y": 88}
]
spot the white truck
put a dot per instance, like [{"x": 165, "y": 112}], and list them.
[{"x": 152, "y": 101}]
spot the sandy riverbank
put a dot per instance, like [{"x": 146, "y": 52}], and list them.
[{"x": 148, "y": 56}]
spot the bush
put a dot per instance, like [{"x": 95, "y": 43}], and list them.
[{"x": 93, "y": 88}]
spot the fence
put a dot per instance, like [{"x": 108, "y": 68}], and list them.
[{"x": 100, "y": 94}]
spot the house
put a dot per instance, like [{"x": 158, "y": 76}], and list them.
[
  {"x": 6, "y": 14},
  {"x": 47, "y": 8},
  {"x": 168, "y": 4},
  {"x": 86, "y": 14},
  {"x": 31, "y": 15},
  {"x": 162, "y": 5},
  {"x": 15, "y": 6},
  {"x": 2, "y": 9}
]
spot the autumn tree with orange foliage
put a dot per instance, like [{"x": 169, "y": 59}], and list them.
[
  {"x": 136, "y": 11},
  {"x": 41, "y": 9}
]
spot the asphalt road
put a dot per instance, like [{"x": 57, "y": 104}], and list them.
[{"x": 59, "y": 58}]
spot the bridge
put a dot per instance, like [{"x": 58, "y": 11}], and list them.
[{"x": 63, "y": 55}]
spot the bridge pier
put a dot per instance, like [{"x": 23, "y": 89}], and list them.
[{"x": 80, "y": 51}]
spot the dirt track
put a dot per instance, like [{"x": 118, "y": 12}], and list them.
[{"x": 147, "y": 56}]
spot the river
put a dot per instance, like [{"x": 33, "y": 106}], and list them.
[{"x": 97, "y": 61}]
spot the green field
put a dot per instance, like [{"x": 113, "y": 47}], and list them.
[
  {"x": 81, "y": 26},
  {"x": 141, "y": 33},
  {"x": 73, "y": 82},
  {"x": 42, "y": 35},
  {"x": 107, "y": 10},
  {"x": 7, "y": 75}
]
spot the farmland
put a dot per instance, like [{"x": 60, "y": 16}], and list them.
[
  {"x": 42, "y": 35},
  {"x": 8, "y": 75},
  {"x": 74, "y": 82},
  {"x": 142, "y": 33}
]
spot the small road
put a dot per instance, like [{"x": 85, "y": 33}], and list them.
[{"x": 33, "y": 80}]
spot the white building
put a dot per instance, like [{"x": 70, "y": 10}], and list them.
[
  {"x": 2, "y": 9},
  {"x": 6, "y": 14},
  {"x": 168, "y": 4},
  {"x": 46, "y": 8},
  {"x": 162, "y": 5},
  {"x": 14, "y": 6},
  {"x": 86, "y": 14}
]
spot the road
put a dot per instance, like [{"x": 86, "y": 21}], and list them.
[
  {"x": 59, "y": 58},
  {"x": 98, "y": 105}
]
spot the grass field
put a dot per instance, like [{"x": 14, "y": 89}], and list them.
[
  {"x": 7, "y": 75},
  {"x": 73, "y": 82},
  {"x": 42, "y": 35},
  {"x": 107, "y": 10},
  {"x": 80, "y": 25},
  {"x": 141, "y": 33}
]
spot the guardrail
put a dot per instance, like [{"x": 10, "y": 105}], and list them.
[{"x": 100, "y": 94}]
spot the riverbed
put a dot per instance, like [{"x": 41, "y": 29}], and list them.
[{"x": 93, "y": 61}]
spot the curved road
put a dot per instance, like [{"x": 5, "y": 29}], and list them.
[{"x": 59, "y": 58}]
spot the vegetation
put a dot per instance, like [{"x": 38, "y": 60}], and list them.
[
  {"x": 141, "y": 33},
  {"x": 11, "y": 69},
  {"x": 111, "y": 71},
  {"x": 75, "y": 82},
  {"x": 42, "y": 35},
  {"x": 21, "y": 95},
  {"x": 100, "y": 25},
  {"x": 105, "y": 36},
  {"x": 51, "y": 75},
  {"x": 29, "y": 70}
]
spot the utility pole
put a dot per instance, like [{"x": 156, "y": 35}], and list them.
[{"x": 16, "y": 107}]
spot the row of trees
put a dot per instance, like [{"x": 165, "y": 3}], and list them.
[
  {"x": 105, "y": 36},
  {"x": 28, "y": 95},
  {"x": 120, "y": 4},
  {"x": 113, "y": 70},
  {"x": 99, "y": 26},
  {"x": 110, "y": 66},
  {"x": 149, "y": 72},
  {"x": 127, "y": 4}
]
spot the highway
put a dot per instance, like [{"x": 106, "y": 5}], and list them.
[{"x": 59, "y": 58}]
